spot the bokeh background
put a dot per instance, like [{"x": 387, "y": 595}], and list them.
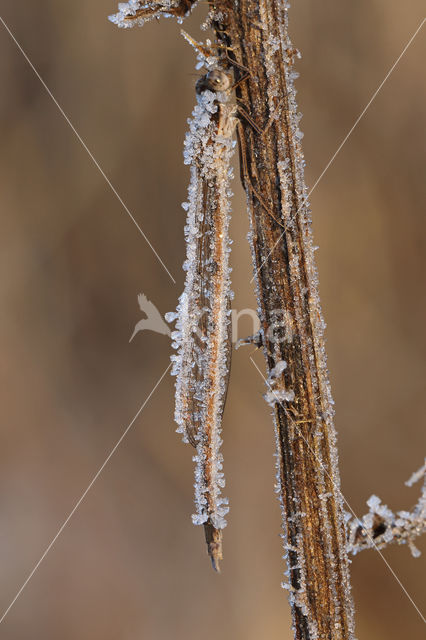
[{"x": 129, "y": 565}]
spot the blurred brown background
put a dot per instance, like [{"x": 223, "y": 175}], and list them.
[{"x": 130, "y": 565}]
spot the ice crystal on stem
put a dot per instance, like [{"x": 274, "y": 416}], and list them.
[
  {"x": 380, "y": 526},
  {"x": 203, "y": 323},
  {"x": 136, "y": 12}
]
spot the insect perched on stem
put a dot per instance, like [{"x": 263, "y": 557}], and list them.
[
  {"x": 203, "y": 324},
  {"x": 203, "y": 327}
]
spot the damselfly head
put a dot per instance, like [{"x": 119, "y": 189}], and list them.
[{"x": 214, "y": 80}]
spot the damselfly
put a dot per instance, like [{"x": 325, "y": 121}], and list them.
[{"x": 203, "y": 324}]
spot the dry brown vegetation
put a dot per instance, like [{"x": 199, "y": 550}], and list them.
[{"x": 73, "y": 264}]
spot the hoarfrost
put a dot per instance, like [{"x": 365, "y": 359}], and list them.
[
  {"x": 136, "y": 12},
  {"x": 417, "y": 475},
  {"x": 380, "y": 526},
  {"x": 278, "y": 369},
  {"x": 280, "y": 395},
  {"x": 203, "y": 322},
  {"x": 279, "y": 54}
]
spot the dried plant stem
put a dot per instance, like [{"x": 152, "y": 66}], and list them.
[
  {"x": 252, "y": 37},
  {"x": 252, "y": 34},
  {"x": 255, "y": 33}
]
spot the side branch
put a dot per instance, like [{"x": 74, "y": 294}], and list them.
[{"x": 381, "y": 527}]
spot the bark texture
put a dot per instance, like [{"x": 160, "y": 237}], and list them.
[{"x": 308, "y": 485}]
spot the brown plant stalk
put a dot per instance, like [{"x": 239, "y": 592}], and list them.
[
  {"x": 253, "y": 34},
  {"x": 285, "y": 273},
  {"x": 252, "y": 39}
]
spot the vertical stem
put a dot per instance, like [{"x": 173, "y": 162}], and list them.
[{"x": 255, "y": 32}]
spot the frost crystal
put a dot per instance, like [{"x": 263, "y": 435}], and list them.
[
  {"x": 380, "y": 526},
  {"x": 417, "y": 475},
  {"x": 136, "y": 12},
  {"x": 203, "y": 322},
  {"x": 278, "y": 369},
  {"x": 276, "y": 394},
  {"x": 280, "y": 395}
]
